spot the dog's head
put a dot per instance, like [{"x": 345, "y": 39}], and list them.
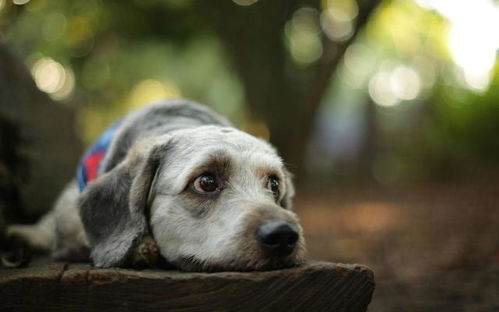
[{"x": 214, "y": 198}]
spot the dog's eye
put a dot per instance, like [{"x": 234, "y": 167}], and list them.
[
  {"x": 273, "y": 185},
  {"x": 206, "y": 183}
]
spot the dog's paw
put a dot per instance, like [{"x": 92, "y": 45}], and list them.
[
  {"x": 146, "y": 255},
  {"x": 15, "y": 251}
]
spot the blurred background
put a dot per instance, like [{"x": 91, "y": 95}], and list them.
[{"x": 386, "y": 111}]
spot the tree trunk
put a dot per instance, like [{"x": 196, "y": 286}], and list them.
[
  {"x": 283, "y": 96},
  {"x": 47, "y": 133}
]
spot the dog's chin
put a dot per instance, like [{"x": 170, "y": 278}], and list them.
[{"x": 192, "y": 264}]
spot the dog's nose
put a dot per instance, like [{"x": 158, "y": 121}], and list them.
[{"x": 277, "y": 238}]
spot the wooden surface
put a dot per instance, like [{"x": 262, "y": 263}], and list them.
[{"x": 316, "y": 286}]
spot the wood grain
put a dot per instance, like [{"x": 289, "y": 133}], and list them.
[{"x": 316, "y": 286}]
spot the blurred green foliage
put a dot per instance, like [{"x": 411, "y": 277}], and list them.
[
  {"x": 447, "y": 128},
  {"x": 426, "y": 117},
  {"x": 113, "y": 46}
]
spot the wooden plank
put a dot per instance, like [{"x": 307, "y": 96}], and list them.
[{"x": 316, "y": 286}]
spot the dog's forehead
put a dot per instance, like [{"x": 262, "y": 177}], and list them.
[
  {"x": 207, "y": 138},
  {"x": 203, "y": 146}
]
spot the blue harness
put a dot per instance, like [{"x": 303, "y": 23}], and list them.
[{"x": 89, "y": 165}]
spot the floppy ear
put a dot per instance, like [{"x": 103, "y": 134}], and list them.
[
  {"x": 287, "y": 199},
  {"x": 113, "y": 208}
]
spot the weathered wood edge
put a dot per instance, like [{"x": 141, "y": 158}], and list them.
[
  {"x": 61, "y": 271},
  {"x": 58, "y": 286}
]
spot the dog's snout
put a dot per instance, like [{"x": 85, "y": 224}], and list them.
[{"x": 277, "y": 238}]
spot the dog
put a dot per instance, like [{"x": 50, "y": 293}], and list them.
[{"x": 175, "y": 182}]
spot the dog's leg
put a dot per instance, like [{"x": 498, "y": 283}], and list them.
[
  {"x": 22, "y": 240},
  {"x": 69, "y": 241},
  {"x": 59, "y": 231},
  {"x": 38, "y": 236}
]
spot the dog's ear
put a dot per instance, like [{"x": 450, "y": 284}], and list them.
[
  {"x": 287, "y": 199},
  {"x": 113, "y": 208}
]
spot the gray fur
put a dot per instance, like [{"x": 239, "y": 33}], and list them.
[
  {"x": 143, "y": 191},
  {"x": 157, "y": 119}
]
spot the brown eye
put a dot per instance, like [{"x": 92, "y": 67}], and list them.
[
  {"x": 273, "y": 185},
  {"x": 206, "y": 184}
]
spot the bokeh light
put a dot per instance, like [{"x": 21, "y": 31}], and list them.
[
  {"x": 302, "y": 34},
  {"x": 337, "y": 18},
  {"x": 472, "y": 40},
  {"x": 356, "y": 65},
  {"x": 380, "y": 90},
  {"x": 67, "y": 87},
  {"x": 53, "y": 78},
  {"x": 245, "y": 2},
  {"x": 405, "y": 83},
  {"x": 20, "y": 2},
  {"x": 393, "y": 84}
]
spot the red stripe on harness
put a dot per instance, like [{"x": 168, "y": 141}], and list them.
[{"x": 91, "y": 164}]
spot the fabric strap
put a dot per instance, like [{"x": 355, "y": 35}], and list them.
[{"x": 89, "y": 165}]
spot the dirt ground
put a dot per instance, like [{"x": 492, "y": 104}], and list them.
[{"x": 433, "y": 247}]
